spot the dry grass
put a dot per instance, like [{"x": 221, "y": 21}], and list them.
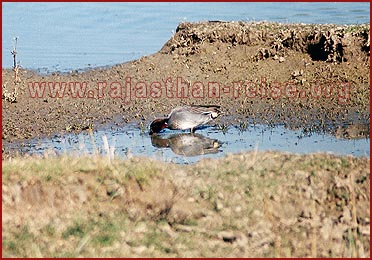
[{"x": 249, "y": 205}]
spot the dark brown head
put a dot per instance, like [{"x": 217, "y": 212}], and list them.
[{"x": 157, "y": 125}]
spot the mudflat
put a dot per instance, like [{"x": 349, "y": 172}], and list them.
[{"x": 314, "y": 77}]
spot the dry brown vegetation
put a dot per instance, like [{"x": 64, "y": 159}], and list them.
[{"x": 247, "y": 205}]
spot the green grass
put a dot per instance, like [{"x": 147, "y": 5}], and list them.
[
  {"x": 107, "y": 232},
  {"x": 10, "y": 246},
  {"x": 78, "y": 229},
  {"x": 17, "y": 243}
]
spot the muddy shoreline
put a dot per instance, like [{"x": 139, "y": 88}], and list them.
[{"x": 310, "y": 77}]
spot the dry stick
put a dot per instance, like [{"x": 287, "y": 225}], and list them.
[
  {"x": 15, "y": 65},
  {"x": 14, "y": 53}
]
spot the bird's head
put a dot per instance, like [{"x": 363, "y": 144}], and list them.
[{"x": 157, "y": 125}]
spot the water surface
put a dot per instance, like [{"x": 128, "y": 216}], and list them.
[
  {"x": 73, "y": 36},
  {"x": 183, "y": 147}
]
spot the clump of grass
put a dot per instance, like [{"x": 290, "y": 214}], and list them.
[
  {"x": 18, "y": 243},
  {"x": 95, "y": 231},
  {"x": 223, "y": 127},
  {"x": 243, "y": 126},
  {"x": 77, "y": 229},
  {"x": 157, "y": 239},
  {"x": 10, "y": 246},
  {"x": 108, "y": 231}
]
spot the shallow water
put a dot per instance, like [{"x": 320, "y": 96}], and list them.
[
  {"x": 74, "y": 36},
  {"x": 183, "y": 147}
]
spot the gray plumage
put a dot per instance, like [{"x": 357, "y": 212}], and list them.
[{"x": 187, "y": 117}]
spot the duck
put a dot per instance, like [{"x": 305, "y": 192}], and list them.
[{"x": 186, "y": 117}]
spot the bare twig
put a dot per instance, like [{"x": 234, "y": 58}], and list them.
[
  {"x": 14, "y": 53},
  {"x": 15, "y": 64}
]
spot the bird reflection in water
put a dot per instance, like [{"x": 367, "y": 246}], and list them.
[{"x": 187, "y": 144}]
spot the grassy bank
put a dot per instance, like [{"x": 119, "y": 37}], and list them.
[{"x": 257, "y": 204}]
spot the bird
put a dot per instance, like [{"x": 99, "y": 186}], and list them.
[{"x": 186, "y": 117}]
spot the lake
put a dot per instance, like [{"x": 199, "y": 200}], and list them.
[{"x": 75, "y": 36}]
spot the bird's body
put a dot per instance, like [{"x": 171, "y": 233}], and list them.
[{"x": 187, "y": 117}]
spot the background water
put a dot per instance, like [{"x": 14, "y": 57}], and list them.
[{"x": 67, "y": 36}]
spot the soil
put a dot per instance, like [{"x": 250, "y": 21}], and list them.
[{"x": 311, "y": 77}]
